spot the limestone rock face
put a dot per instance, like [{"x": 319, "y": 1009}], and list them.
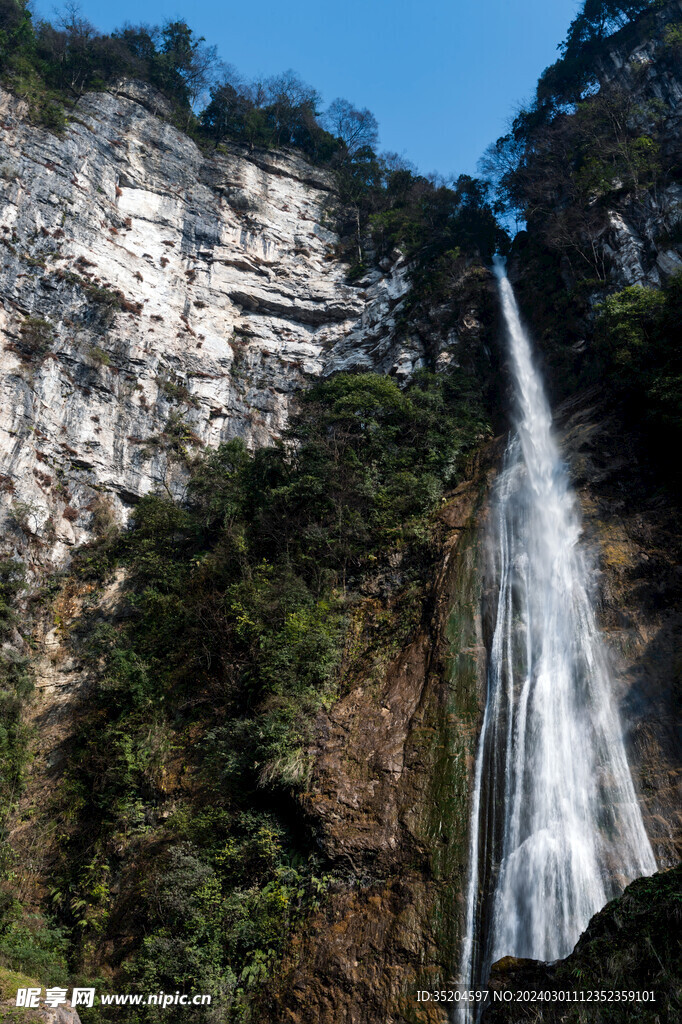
[
  {"x": 44, "y": 1015},
  {"x": 154, "y": 298},
  {"x": 635, "y": 245}
]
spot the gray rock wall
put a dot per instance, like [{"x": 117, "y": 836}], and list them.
[{"x": 154, "y": 297}]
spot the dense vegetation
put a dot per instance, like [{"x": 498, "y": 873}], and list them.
[
  {"x": 583, "y": 147},
  {"x": 181, "y": 844},
  {"x": 638, "y": 348},
  {"x": 564, "y": 176},
  {"x": 235, "y": 615},
  {"x": 575, "y": 72},
  {"x": 180, "y": 839}
]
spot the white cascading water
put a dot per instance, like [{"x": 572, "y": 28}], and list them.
[{"x": 556, "y": 828}]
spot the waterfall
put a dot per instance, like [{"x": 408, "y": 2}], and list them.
[{"x": 556, "y": 828}]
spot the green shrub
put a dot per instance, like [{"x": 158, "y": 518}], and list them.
[
  {"x": 98, "y": 356},
  {"x": 51, "y": 66},
  {"x": 639, "y": 346},
  {"x": 672, "y": 39},
  {"x": 27, "y": 944},
  {"x": 35, "y": 338},
  {"x": 16, "y": 685},
  {"x": 36, "y": 948}
]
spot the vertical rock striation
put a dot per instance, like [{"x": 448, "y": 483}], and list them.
[{"x": 153, "y": 297}]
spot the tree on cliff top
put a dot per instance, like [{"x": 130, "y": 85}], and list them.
[
  {"x": 183, "y": 65},
  {"x": 356, "y": 128}
]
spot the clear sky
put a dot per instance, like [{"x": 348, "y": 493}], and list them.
[{"x": 441, "y": 76}]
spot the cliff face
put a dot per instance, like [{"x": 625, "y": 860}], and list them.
[
  {"x": 153, "y": 297},
  {"x": 389, "y": 793},
  {"x": 630, "y": 509},
  {"x": 604, "y": 200},
  {"x": 642, "y": 240}
]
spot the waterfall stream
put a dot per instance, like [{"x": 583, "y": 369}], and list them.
[{"x": 556, "y": 829}]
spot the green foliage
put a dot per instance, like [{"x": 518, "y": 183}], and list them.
[
  {"x": 370, "y": 458},
  {"x": 109, "y": 300},
  {"x": 639, "y": 345},
  {"x": 35, "y": 338},
  {"x": 586, "y": 146},
  {"x": 49, "y": 65},
  {"x": 388, "y": 207},
  {"x": 605, "y": 150},
  {"x": 27, "y": 943},
  {"x": 597, "y": 21},
  {"x": 99, "y": 357},
  {"x": 178, "y": 61},
  {"x": 11, "y": 585},
  {"x": 176, "y": 391},
  {"x": 32, "y": 946},
  {"x": 282, "y": 111},
  {"x": 672, "y": 39},
  {"x": 223, "y": 904},
  {"x": 20, "y": 66},
  {"x": 420, "y": 217}
]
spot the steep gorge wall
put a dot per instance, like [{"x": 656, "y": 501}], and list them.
[
  {"x": 611, "y": 213},
  {"x": 632, "y": 529},
  {"x": 376, "y": 942},
  {"x": 230, "y": 298},
  {"x": 156, "y": 298},
  {"x": 144, "y": 284}
]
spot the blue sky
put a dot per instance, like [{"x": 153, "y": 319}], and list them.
[{"x": 441, "y": 76}]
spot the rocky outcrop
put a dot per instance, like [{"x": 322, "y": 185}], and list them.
[
  {"x": 46, "y": 1015},
  {"x": 155, "y": 297},
  {"x": 624, "y": 966},
  {"x": 638, "y": 243}
]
